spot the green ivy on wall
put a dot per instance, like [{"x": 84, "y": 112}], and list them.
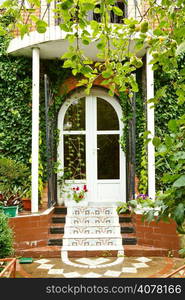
[
  {"x": 15, "y": 106},
  {"x": 166, "y": 108}
]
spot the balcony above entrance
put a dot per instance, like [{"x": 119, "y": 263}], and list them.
[{"x": 53, "y": 45}]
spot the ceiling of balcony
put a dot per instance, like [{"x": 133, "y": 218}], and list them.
[{"x": 52, "y": 45}]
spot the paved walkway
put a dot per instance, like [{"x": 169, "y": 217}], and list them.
[{"x": 100, "y": 267}]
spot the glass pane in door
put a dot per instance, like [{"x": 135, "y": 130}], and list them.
[
  {"x": 107, "y": 118},
  {"x": 108, "y": 156},
  {"x": 74, "y": 156},
  {"x": 75, "y": 115}
]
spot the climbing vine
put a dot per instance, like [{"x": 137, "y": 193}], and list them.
[{"x": 15, "y": 106}]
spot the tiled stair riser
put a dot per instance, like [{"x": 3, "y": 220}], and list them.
[
  {"x": 92, "y": 228},
  {"x": 92, "y": 241},
  {"x": 91, "y": 220},
  {"x": 92, "y": 211}
]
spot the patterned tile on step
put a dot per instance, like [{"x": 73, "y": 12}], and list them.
[
  {"x": 140, "y": 265},
  {"x": 45, "y": 266},
  {"x": 129, "y": 270},
  {"x": 91, "y": 275},
  {"x": 143, "y": 259},
  {"x": 55, "y": 271},
  {"x": 96, "y": 261},
  {"x": 110, "y": 273},
  {"x": 42, "y": 261},
  {"x": 71, "y": 275}
]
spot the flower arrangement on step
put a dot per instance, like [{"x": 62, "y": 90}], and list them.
[{"x": 78, "y": 194}]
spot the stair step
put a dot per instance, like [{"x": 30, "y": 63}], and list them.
[
  {"x": 91, "y": 236},
  {"x": 92, "y": 242},
  {"x": 58, "y": 219},
  {"x": 127, "y": 229},
  {"x": 124, "y": 219},
  {"x": 129, "y": 241},
  {"x": 92, "y": 211},
  {"x": 91, "y": 228},
  {"x": 60, "y": 210},
  {"x": 55, "y": 242},
  {"x": 92, "y": 220},
  {"x": 74, "y": 230},
  {"x": 92, "y": 248},
  {"x": 55, "y": 230}
]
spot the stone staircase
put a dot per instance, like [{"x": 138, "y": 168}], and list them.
[{"x": 93, "y": 228}]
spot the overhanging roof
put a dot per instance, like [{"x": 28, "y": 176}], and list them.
[{"x": 52, "y": 45}]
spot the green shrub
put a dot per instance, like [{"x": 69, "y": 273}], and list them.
[
  {"x": 14, "y": 181},
  {"x": 6, "y": 237}
]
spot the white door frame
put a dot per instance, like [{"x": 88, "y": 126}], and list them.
[{"x": 91, "y": 140}]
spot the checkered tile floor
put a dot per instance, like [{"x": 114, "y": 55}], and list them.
[{"x": 98, "y": 267}]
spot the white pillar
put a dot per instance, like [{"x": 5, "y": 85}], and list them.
[
  {"x": 150, "y": 126},
  {"x": 35, "y": 127}
]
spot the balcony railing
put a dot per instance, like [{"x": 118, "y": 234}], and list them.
[{"x": 49, "y": 15}]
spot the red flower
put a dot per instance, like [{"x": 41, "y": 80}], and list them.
[
  {"x": 85, "y": 187},
  {"x": 77, "y": 189}
]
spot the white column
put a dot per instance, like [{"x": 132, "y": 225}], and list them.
[
  {"x": 150, "y": 126},
  {"x": 35, "y": 127}
]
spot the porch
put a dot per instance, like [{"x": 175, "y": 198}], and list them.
[{"x": 52, "y": 45}]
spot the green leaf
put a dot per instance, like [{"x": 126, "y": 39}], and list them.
[
  {"x": 179, "y": 213},
  {"x": 88, "y": 6},
  {"x": 100, "y": 45},
  {"x": 97, "y": 10},
  {"x": 172, "y": 125},
  {"x": 179, "y": 155},
  {"x": 150, "y": 216},
  {"x": 180, "y": 49},
  {"x": 41, "y": 29},
  {"x": 86, "y": 69},
  {"x": 162, "y": 148},
  {"x": 65, "y": 27},
  {"x": 85, "y": 42},
  {"x": 41, "y": 26},
  {"x": 168, "y": 178},
  {"x": 66, "y": 5},
  {"x": 107, "y": 74},
  {"x": 180, "y": 182},
  {"x": 156, "y": 141},
  {"x": 117, "y": 11},
  {"x": 41, "y": 23},
  {"x": 144, "y": 26}
]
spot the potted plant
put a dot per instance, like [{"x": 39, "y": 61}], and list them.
[
  {"x": 26, "y": 201},
  {"x": 13, "y": 185},
  {"x": 76, "y": 196}
]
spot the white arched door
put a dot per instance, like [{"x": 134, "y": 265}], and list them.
[{"x": 89, "y": 149}]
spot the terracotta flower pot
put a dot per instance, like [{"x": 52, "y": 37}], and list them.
[{"x": 26, "y": 203}]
